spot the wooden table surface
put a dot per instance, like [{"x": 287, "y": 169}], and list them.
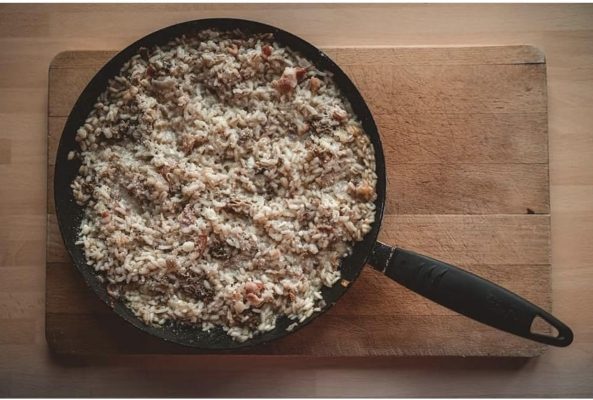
[{"x": 30, "y": 35}]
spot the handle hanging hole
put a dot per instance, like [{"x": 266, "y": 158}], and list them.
[{"x": 540, "y": 326}]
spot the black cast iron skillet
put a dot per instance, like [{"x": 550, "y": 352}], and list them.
[{"x": 445, "y": 284}]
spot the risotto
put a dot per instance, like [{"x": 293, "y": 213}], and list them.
[{"x": 223, "y": 179}]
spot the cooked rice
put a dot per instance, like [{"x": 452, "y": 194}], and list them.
[{"x": 223, "y": 178}]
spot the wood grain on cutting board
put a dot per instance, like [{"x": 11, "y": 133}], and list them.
[{"x": 464, "y": 131}]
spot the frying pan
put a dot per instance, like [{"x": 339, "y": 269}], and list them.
[{"x": 452, "y": 287}]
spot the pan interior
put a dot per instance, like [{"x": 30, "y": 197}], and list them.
[{"x": 70, "y": 215}]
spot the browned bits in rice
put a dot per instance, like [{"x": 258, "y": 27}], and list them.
[
  {"x": 254, "y": 299},
  {"x": 287, "y": 82},
  {"x": 300, "y": 73},
  {"x": 233, "y": 49},
  {"x": 223, "y": 178},
  {"x": 339, "y": 114},
  {"x": 365, "y": 191},
  {"x": 267, "y": 50},
  {"x": 314, "y": 85}
]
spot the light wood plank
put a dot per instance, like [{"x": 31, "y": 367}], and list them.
[
  {"x": 475, "y": 138},
  {"x": 469, "y": 138},
  {"x": 467, "y": 188},
  {"x": 56, "y": 252},
  {"x": 507, "y": 88},
  {"x": 55, "y": 126},
  {"x": 17, "y": 331},
  {"x": 471, "y": 239},
  {"x": 496, "y": 247},
  {"x": 449, "y": 55},
  {"x": 497, "y": 89},
  {"x": 371, "y": 292},
  {"x": 438, "y": 188},
  {"x": 465, "y": 239},
  {"x": 397, "y": 336},
  {"x": 70, "y": 83}
]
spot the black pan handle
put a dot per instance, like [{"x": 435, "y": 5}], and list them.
[{"x": 467, "y": 294}]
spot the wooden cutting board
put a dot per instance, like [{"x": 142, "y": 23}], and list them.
[{"x": 464, "y": 131}]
